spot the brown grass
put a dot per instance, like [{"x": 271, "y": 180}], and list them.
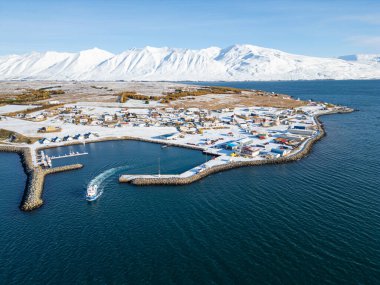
[
  {"x": 29, "y": 96},
  {"x": 219, "y": 101}
]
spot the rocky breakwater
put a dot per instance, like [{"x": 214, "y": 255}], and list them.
[
  {"x": 25, "y": 154},
  {"x": 32, "y": 197},
  {"x": 178, "y": 180},
  {"x": 35, "y": 185}
]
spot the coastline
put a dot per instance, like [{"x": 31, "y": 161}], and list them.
[
  {"x": 306, "y": 149},
  {"x": 32, "y": 198}
]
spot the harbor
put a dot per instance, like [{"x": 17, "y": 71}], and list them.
[{"x": 38, "y": 166}]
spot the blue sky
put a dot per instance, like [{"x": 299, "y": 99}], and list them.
[{"x": 320, "y": 28}]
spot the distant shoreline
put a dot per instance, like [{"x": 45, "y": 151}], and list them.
[{"x": 185, "y": 81}]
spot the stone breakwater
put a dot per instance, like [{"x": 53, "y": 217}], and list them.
[
  {"x": 25, "y": 154},
  {"x": 32, "y": 198},
  {"x": 305, "y": 150},
  {"x": 35, "y": 185}
]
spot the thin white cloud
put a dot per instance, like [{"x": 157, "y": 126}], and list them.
[
  {"x": 372, "y": 19},
  {"x": 372, "y": 42}
]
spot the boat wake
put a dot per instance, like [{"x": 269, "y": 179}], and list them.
[{"x": 98, "y": 181}]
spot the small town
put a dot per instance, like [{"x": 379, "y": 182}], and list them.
[{"x": 249, "y": 133}]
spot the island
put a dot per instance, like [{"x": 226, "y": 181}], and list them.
[{"x": 236, "y": 127}]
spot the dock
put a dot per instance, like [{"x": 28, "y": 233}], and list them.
[
  {"x": 46, "y": 161},
  {"x": 71, "y": 154}
]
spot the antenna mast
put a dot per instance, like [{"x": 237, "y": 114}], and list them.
[{"x": 159, "y": 168}]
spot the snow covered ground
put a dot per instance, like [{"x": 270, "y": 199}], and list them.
[
  {"x": 15, "y": 108},
  {"x": 30, "y": 128},
  {"x": 211, "y": 140},
  {"x": 131, "y": 103}
]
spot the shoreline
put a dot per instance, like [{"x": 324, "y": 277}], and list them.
[{"x": 32, "y": 197}]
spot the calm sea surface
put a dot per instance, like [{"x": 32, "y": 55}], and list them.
[{"x": 315, "y": 221}]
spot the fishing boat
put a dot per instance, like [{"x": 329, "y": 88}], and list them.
[{"x": 92, "y": 193}]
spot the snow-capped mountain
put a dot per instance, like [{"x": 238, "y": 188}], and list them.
[{"x": 235, "y": 63}]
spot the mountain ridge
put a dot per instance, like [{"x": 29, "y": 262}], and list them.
[{"x": 233, "y": 63}]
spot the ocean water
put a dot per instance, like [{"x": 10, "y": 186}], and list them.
[{"x": 314, "y": 221}]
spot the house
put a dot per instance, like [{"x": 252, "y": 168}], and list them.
[
  {"x": 297, "y": 127},
  {"x": 243, "y": 142},
  {"x": 232, "y": 145},
  {"x": 302, "y": 132},
  {"x": 44, "y": 141},
  {"x": 89, "y": 136},
  {"x": 40, "y": 117},
  {"x": 280, "y": 151},
  {"x": 67, "y": 138},
  {"x": 250, "y": 151},
  {"x": 49, "y": 129},
  {"x": 56, "y": 139},
  {"x": 262, "y": 136},
  {"x": 281, "y": 140},
  {"x": 188, "y": 130},
  {"x": 108, "y": 118}
]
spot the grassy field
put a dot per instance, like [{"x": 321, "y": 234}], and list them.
[{"x": 29, "y": 96}]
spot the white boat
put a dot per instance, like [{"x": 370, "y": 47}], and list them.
[{"x": 92, "y": 193}]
